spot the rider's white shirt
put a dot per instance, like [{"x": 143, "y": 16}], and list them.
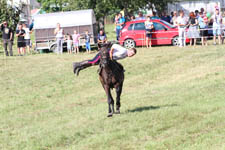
[{"x": 119, "y": 52}]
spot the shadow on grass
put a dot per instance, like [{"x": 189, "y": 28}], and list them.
[{"x": 147, "y": 108}]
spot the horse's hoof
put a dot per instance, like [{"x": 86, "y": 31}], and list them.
[
  {"x": 78, "y": 71},
  {"x": 110, "y": 115},
  {"x": 75, "y": 68}
]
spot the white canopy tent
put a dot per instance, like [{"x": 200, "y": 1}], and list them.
[
  {"x": 81, "y": 21},
  {"x": 66, "y": 19}
]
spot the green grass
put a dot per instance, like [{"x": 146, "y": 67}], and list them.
[
  {"x": 110, "y": 32},
  {"x": 172, "y": 99}
]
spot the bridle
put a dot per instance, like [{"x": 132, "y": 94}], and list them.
[{"x": 104, "y": 56}]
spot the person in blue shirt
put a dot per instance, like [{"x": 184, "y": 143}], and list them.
[
  {"x": 102, "y": 38},
  {"x": 165, "y": 17},
  {"x": 203, "y": 29},
  {"x": 119, "y": 25},
  {"x": 154, "y": 16},
  {"x": 87, "y": 38}
]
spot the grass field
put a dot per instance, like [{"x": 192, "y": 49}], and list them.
[{"x": 172, "y": 99}]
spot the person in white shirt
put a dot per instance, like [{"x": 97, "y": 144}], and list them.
[
  {"x": 27, "y": 37},
  {"x": 148, "y": 28},
  {"x": 181, "y": 23},
  {"x": 59, "y": 38},
  {"x": 217, "y": 25},
  {"x": 174, "y": 18},
  {"x": 116, "y": 52}
]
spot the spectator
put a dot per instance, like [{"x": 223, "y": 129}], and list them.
[
  {"x": 87, "y": 42},
  {"x": 76, "y": 39},
  {"x": 165, "y": 17},
  {"x": 119, "y": 25},
  {"x": 31, "y": 26},
  {"x": 102, "y": 38},
  {"x": 27, "y": 37},
  {"x": 69, "y": 43},
  {"x": 217, "y": 6},
  {"x": 132, "y": 18},
  {"x": 182, "y": 23},
  {"x": 172, "y": 14},
  {"x": 202, "y": 10},
  {"x": 59, "y": 38},
  {"x": 154, "y": 16},
  {"x": 217, "y": 23},
  {"x": 20, "y": 33},
  {"x": 116, "y": 20},
  {"x": 7, "y": 36},
  {"x": 140, "y": 16},
  {"x": 174, "y": 18},
  {"x": 203, "y": 28},
  {"x": 196, "y": 14},
  {"x": 148, "y": 26},
  {"x": 205, "y": 18},
  {"x": 193, "y": 33},
  {"x": 223, "y": 27}
]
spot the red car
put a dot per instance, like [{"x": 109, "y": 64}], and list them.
[{"x": 133, "y": 34}]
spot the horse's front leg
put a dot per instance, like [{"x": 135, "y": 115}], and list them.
[
  {"x": 110, "y": 101},
  {"x": 118, "y": 93}
]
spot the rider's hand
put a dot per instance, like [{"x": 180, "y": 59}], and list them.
[{"x": 111, "y": 56}]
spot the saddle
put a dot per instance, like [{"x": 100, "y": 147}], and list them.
[{"x": 117, "y": 68}]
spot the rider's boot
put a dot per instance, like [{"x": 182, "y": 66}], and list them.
[{"x": 78, "y": 66}]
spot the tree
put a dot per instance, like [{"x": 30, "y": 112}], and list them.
[
  {"x": 10, "y": 14},
  {"x": 103, "y": 8},
  {"x": 53, "y": 5}
]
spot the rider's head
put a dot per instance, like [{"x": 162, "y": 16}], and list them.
[{"x": 131, "y": 52}]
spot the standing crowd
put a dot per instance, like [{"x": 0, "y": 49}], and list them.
[
  {"x": 23, "y": 38},
  {"x": 196, "y": 25},
  {"x": 193, "y": 27},
  {"x": 73, "y": 41}
]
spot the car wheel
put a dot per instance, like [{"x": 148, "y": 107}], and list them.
[
  {"x": 129, "y": 43},
  {"x": 175, "y": 41}
]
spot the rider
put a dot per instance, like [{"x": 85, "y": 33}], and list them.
[{"x": 116, "y": 52}]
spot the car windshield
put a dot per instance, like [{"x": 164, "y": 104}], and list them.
[{"x": 168, "y": 24}]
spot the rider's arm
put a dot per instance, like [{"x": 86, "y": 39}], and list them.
[{"x": 111, "y": 53}]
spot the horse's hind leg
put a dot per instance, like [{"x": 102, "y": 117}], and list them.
[
  {"x": 118, "y": 93},
  {"x": 110, "y": 101}
]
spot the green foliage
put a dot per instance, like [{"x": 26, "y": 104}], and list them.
[
  {"x": 53, "y": 5},
  {"x": 103, "y": 7},
  {"x": 10, "y": 14}
]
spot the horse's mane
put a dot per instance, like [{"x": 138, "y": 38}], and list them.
[{"x": 115, "y": 67}]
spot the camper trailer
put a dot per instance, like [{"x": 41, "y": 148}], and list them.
[{"x": 45, "y": 24}]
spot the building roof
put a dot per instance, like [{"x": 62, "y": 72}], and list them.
[{"x": 66, "y": 19}]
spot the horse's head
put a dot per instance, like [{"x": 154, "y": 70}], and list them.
[{"x": 104, "y": 54}]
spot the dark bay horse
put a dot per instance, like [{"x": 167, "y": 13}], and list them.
[{"x": 111, "y": 75}]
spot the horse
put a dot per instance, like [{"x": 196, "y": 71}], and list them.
[{"x": 111, "y": 75}]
